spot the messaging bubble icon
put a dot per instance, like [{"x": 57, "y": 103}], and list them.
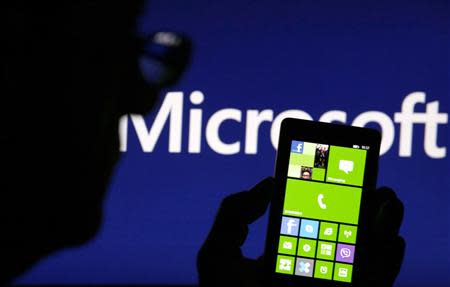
[{"x": 346, "y": 165}]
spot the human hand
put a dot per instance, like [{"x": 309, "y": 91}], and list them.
[
  {"x": 220, "y": 261},
  {"x": 382, "y": 254}
]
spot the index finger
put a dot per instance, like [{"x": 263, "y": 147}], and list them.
[
  {"x": 229, "y": 232},
  {"x": 387, "y": 213},
  {"x": 236, "y": 211}
]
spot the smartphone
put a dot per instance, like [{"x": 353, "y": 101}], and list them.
[{"x": 317, "y": 221}]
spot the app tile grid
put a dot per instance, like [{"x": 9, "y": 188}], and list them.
[{"x": 319, "y": 249}]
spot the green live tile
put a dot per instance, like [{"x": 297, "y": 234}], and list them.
[
  {"x": 287, "y": 245},
  {"x": 343, "y": 272},
  {"x": 285, "y": 264},
  {"x": 323, "y": 270},
  {"x": 306, "y": 247},
  {"x": 318, "y": 174},
  {"x": 321, "y": 201},
  {"x": 326, "y": 250},
  {"x": 328, "y": 231},
  {"x": 347, "y": 233},
  {"x": 346, "y": 165}
]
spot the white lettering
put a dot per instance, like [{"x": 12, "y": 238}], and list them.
[
  {"x": 431, "y": 118},
  {"x": 171, "y": 114},
  {"x": 406, "y": 119},
  {"x": 123, "y": 133},
  {"x": 254, "y": 120},
  {"x": 173, "y": 107},
  {"x": 434, "y": 118},
  {"x": 195, "y": 123},
  {"x": 212, "y": 131}
]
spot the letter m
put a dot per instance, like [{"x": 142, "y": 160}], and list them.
[{"x": 172, "y": 108}]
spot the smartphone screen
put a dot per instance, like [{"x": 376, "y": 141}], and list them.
[{"x": 321, "y": 210}]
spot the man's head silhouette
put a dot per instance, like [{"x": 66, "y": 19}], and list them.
[{"x": 69, "y": 71}]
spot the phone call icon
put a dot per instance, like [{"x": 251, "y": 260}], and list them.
[{"x": 322, "y": 205}]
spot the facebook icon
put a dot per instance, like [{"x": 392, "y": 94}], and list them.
[
  {"x": 290, "y": 226},
  {"x": 297, "y": 146}
]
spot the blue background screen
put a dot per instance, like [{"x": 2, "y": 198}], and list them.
[{"x": 361, "y": 58}]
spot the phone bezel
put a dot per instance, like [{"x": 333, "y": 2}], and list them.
[{"x": 324, "y": 133}]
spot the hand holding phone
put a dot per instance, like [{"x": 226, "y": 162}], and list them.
[
  {"x": 220, "y": 261},
  {"x": 319, "y": 222}
]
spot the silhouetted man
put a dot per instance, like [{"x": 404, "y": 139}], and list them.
[{"x": 69, "y": 71}]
